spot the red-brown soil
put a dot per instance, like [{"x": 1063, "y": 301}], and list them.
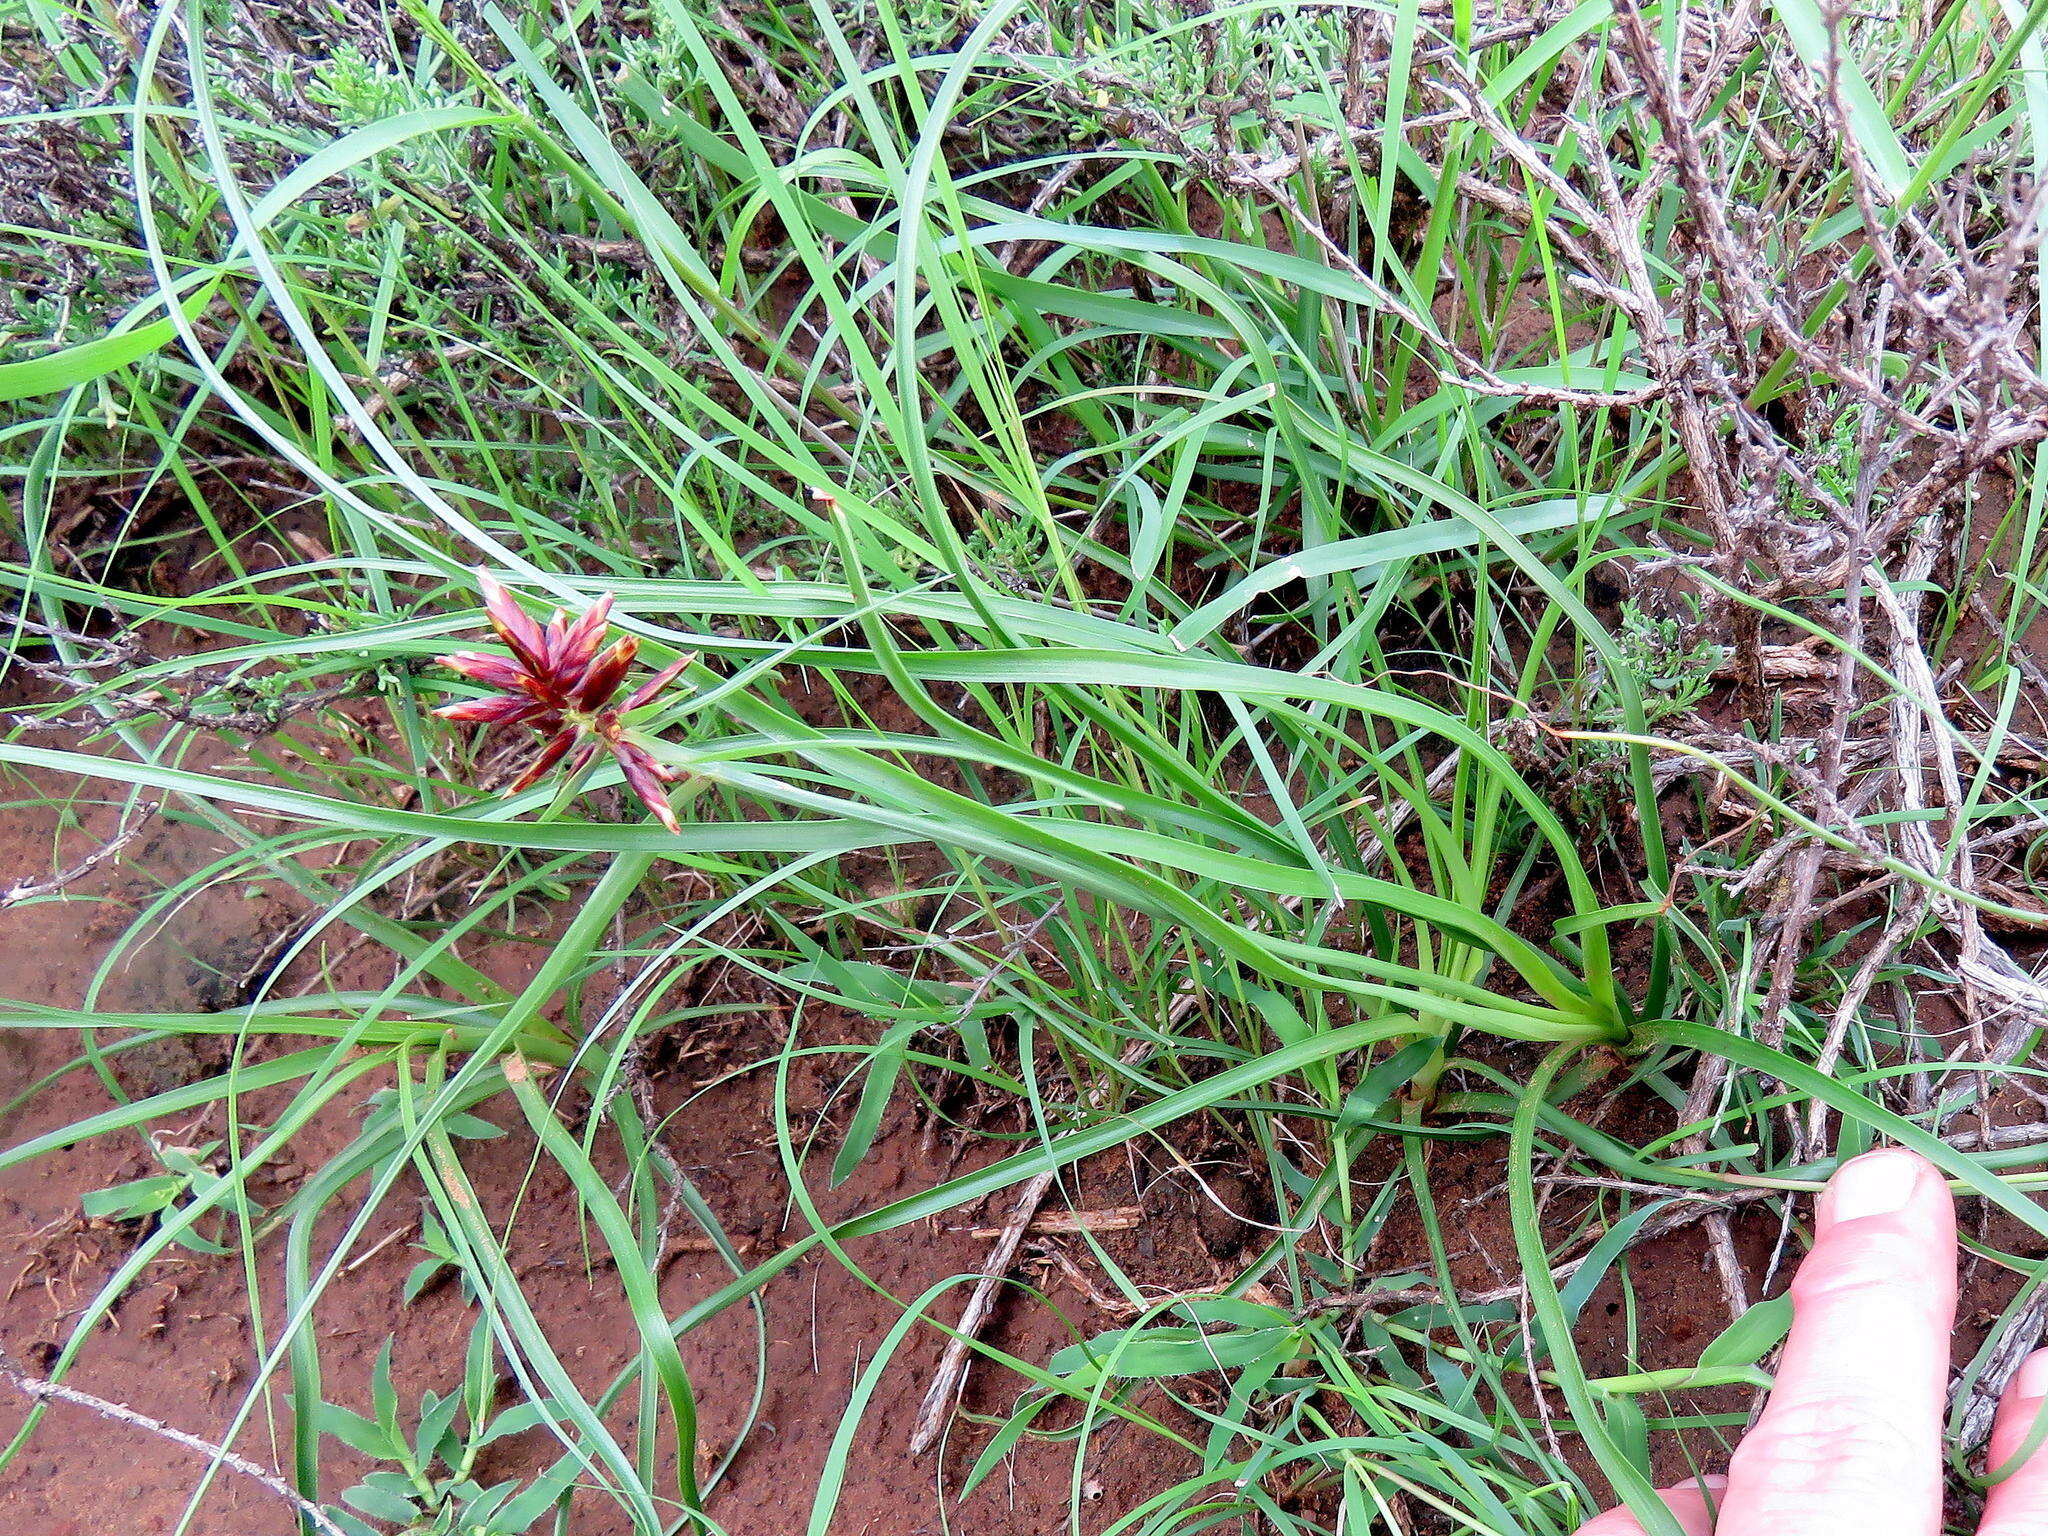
[{"x": 180, "y": 1347}]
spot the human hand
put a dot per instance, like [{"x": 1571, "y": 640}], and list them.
[{"x": 1850, "y": 1442}]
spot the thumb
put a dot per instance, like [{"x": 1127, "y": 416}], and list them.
[{"x": 1851, "y": 1438}]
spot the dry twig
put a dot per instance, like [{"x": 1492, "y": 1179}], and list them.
[{"x": 40, "y": 1389}]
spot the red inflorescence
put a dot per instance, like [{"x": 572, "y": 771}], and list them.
[{"x": 560, "y": 680}]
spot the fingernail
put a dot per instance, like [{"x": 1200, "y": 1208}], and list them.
[
  {"x": 1713, "y": 1482},
  {"x": 1875, "y": 1184},
  {"x": 2031, "y": 1379}
]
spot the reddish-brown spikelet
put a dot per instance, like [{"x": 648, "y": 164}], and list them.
[{"x": 560, "y": 680}]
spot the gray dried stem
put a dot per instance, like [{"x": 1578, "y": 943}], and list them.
[{"x": 39, "y": 1389}]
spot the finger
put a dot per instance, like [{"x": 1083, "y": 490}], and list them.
[
  {"x": 1850, "y": 1441},
  {"x": 1693, "y": 1503},
  {"x": 2018, "y": 1506}
]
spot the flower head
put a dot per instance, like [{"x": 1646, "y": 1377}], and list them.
[{"x": 560, "y": 679}]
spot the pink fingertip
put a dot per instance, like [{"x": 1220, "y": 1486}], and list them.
[
  {"x": 2031, "y": 1379},
  {"x": 1880, "y": 1183}
]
